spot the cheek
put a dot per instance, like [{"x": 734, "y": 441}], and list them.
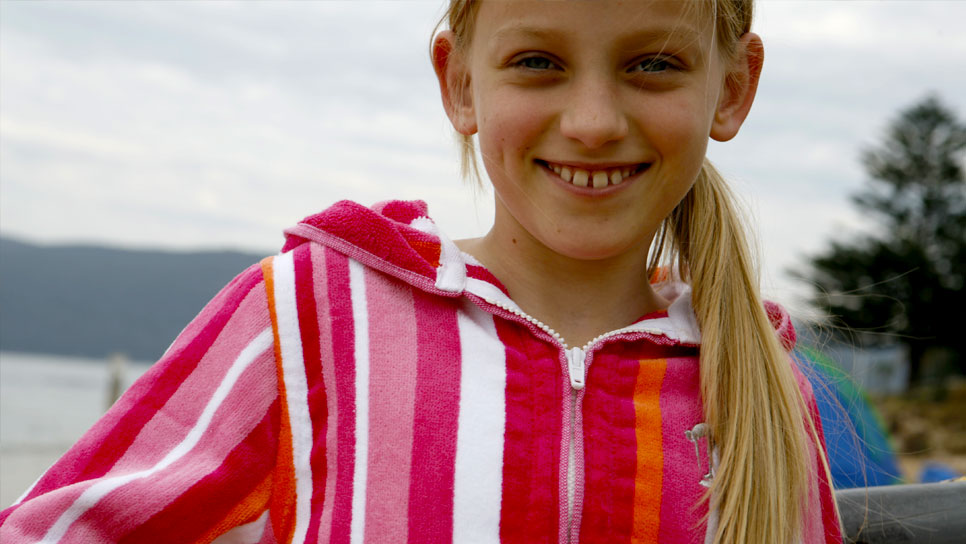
[
  {"x": 684, "y": 129},
  {"x": 509, "y": 124}
]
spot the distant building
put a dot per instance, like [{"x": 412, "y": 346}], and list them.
[{"x": 878, "y": 369}]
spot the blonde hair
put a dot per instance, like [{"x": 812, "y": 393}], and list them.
[{"x": 753, "y": 406}]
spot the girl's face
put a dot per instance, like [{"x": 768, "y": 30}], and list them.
[{"x": 593, "y": 117}]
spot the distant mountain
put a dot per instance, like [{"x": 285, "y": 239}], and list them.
[{"x": 94, "y": 301}]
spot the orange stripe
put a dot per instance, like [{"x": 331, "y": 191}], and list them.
[
  {"x": 244, "y": 512},
  {"x": 650, "y": 457},
  {"x": 283, "y": 495}
]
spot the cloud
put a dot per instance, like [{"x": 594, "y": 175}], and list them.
[{"x": 201, "y": 124}]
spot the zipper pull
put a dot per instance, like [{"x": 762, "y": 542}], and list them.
[
  {"x": 695, "y": 435},
  {"x": 575, "y": 364}
]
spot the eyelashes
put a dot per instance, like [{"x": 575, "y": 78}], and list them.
[
  {"x": 651, "y": 65},
  {"x": 536, "y": 63}
]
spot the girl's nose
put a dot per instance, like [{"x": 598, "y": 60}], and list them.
[{"x": 593, "y": 115}]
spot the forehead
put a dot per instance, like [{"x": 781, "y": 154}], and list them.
[{"x": 634, "y": 20}]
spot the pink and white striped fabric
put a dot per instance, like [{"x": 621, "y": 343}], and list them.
[{"x": 373, "y": 384}]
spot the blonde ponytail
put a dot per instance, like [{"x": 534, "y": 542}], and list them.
[{"x": 751, "y": 398}]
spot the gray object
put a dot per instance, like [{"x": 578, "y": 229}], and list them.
[{"x": 933, "y": 513}]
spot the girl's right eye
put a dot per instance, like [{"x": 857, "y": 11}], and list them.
[{"x": 536, "y": 63}]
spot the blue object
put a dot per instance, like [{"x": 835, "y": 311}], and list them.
[
  {"x": 858, "y": 446},
  {"x": 936, "y": 472}
]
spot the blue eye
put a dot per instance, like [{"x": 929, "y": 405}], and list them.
[
  {"x": 536, "y": 63},
  {"x": 657, "y": 64}
]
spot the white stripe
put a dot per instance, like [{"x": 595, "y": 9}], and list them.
[
  {"x": 451, "y": 274},
  {"x": 360, "y": 321},
  {"x": 712, "y": 526},
  {"x": 93, "y": 494},
  {"x": 296, "y": 389},
  {"x": 478, "y": 482},
  {"x": 490, "y": 293},
  {"x": 250, "y": 533},
  {"x": 681, "y": 313}
]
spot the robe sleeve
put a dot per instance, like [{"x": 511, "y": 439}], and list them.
[{"x": 188, "y": 453}]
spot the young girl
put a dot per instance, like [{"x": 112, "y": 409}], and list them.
[{"x": 599, "y": 367}]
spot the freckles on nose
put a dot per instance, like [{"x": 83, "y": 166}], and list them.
[
  {"x": 594, "y": 115},
  {"x": 592, "y": 126}
]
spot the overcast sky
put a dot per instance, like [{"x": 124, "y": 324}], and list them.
[{"x": 217, "y": 124}]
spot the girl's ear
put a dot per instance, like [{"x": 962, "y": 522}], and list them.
[
  {"x": 740, "y": 86},
  {"x": 454, "y": 83}
]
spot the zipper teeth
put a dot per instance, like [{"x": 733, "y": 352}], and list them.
[
  {"x": 572, "y": 467},
  {"x": 627, "y": 330},
  {"x": 540, "y": 324},
  {"x": 556, "y": 336}
]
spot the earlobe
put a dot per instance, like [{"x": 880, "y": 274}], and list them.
[
  {"x": 740, "y": 86},
  {"x": 454, "y": 83}
]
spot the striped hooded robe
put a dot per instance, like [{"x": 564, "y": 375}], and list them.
[{"x": 371, "y": 383}]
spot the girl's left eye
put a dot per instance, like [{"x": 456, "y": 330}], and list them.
[{"x": 653, "y": 65}]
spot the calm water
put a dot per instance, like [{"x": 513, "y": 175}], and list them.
[{"x": 46, "y": 404}]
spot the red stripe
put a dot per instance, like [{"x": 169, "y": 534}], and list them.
[
  {"x": 311, "y": 355},
  {"x": 830, "y": 520},
  {"x": 530, "y": 509},
  {"x": 95, "y": 454},
  {"x": 330, "y": 444},
  {"x": 435, "y": 423},
  {"x": 343, "y": 353},
  {"x": 610, "y": 448},
  {"x": 218, "y": 492}
]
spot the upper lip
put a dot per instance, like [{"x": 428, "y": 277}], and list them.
[{"x": 594, "y": 166}]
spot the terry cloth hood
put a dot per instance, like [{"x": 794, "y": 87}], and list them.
[{"x": 399, "y": 239}]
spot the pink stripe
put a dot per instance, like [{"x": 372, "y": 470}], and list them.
[
  {"x": 311, "y": 357},
  {"x": 238, "y": 415},
  {"x": 319, "y": 280},
  {"x": 434, "y": 429},
  {"x": 392, "y": 390},
  {"x": 30, "y": 521},
  {"x": 344, "y": 371},
  {"x": 172, "y": 422},
  {"x": 681, "y": 492}
]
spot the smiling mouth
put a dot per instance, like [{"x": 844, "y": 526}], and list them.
[{"x": 598, "y": 179}]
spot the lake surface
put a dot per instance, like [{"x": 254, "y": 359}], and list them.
[{"x": 46, "y": 403}]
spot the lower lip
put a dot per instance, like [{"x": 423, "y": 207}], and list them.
[{"x": 590, "y": 190}]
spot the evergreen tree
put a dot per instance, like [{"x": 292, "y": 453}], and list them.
[{"x": 905, "y": 283}]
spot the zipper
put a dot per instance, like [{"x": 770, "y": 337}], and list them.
[
  {"x": 576, "y": 365},
  {"x": 576, "y": 370},
  {"x": 576, "y": 359}
]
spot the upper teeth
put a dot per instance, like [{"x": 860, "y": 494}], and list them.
[{"x": 597, "y": 178}]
